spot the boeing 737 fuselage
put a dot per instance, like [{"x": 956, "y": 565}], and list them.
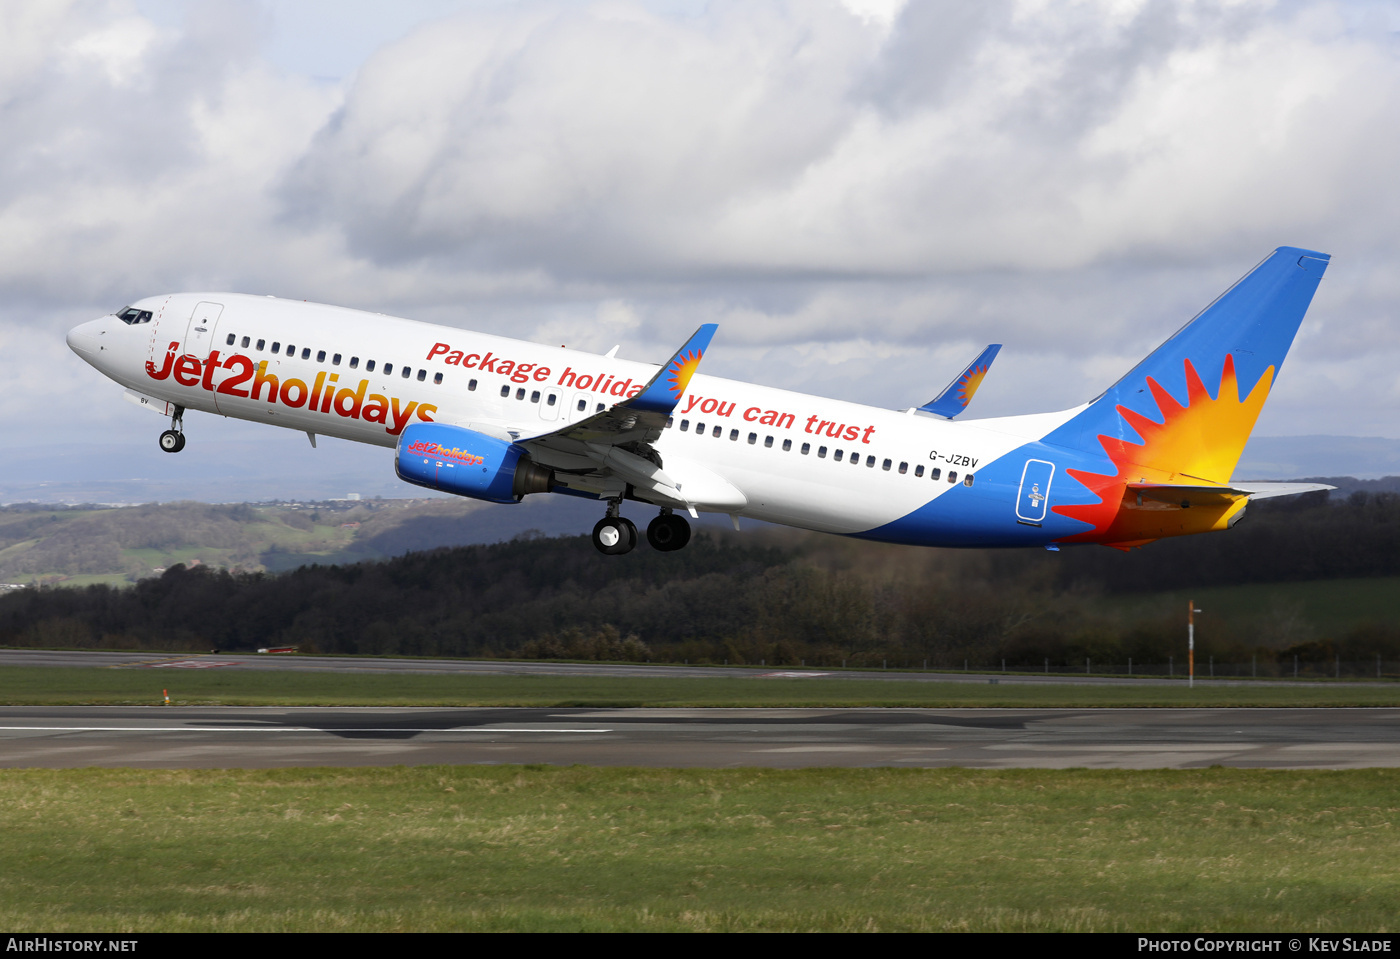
[{"x": 498, "y": 419}]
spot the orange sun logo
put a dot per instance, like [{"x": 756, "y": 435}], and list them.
[
  {"x": 1198, "y": 444},
  {"x": 971, "y": 380},
  {"x": 682, "y": 369}
]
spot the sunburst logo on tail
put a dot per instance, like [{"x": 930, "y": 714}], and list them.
[
  {"x": 971, "y": 380},
  {"x": 1198, "y": 444},
  {"x": 682, "y": 369}
]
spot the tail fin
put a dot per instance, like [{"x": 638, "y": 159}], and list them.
[{"x": 1186, "y": 411}]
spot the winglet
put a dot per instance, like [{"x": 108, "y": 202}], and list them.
[
  {"x": 955, "y": 397},
  {"x": 664, "y": 390}
]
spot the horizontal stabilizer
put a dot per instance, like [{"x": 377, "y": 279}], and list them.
[
  {"x": 1267, "y": 490},
  {"x": 1201, "y": 495},
  {"x": 957, "y": 394}
]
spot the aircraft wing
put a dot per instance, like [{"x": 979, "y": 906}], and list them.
[
  {"x": 957, "y": 394},
  {"x": 610, "y": 450}
]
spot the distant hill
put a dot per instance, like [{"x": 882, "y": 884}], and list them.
[
  {"x": 92, "y": 544},
  {"x": 81, "y": 545},
  {"x": 1303, "y": 582}
]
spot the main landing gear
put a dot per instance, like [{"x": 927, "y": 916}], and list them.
[
  {"x": 668, "y": 532},
  {"x": 173, "y": 439},
  {"x": 615, "y": 534}
]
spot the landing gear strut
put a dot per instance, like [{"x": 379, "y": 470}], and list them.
[
  {"x": 173, "y": 439},
  {"x": 615, "y": 534},
  {"x": 668, "y": 532}
]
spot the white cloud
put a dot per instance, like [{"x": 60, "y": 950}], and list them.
[{"x": 860, "y": 192}]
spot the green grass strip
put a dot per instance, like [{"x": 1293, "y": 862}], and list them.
[
  {"x": 235, "y": 686},
  {"x": 575, "y": 848}
]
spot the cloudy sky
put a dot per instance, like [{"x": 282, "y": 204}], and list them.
[{"x": 861, "y": 193}]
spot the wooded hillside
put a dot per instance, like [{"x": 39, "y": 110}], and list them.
[{"x": 778, "y": 596}]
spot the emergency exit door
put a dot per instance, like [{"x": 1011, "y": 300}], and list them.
[{"x": 1033, "y": 500}]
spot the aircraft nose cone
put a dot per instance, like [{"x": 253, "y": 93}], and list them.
[{"x": 83, "y": 338}]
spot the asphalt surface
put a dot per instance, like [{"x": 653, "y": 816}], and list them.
[
  {"x": 263, "y": 737},
  {"x": 349, "y": 664}
]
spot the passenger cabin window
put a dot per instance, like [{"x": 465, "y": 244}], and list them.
[
  {"x": 422, "y": 375},
  {"x": 919, "y": 470},
  {"x": 806, "y": 448},
  {"x": 407, "y": 372},
  {"x": 505, "y": 391},
  {"x": 320, "y": 356},
  {"x": 885, "y": 465},
  {"x": 670, "y": 420},
  {"x": 768, "y": 442},
  {"x": 599, "y": 409},
  {"x": 369, "y": 366},
  {"x": 787, "y": 445},
  {"x": 261, "y": 344},
  {"x": 437, "y": 378},
  {"x": 471, "y": 385},
  {"x": 935, "y": 473},
  {"x": 952, "y": 476},
  {"x": 389, "y": 368},
  {"x": 354, "y": 362},
  {"x": 967, "y": 480},
  {"x": 836, "y": 456},
  {"x": 229, "y": 341},
  {"x": 685, "y": 425},
  {"x": 291, "y": 350},
  {"x": 535, "y": 396},
  {"x": 335, "y": 360},
  {"x": 904, "y": 467},
  {"x": 700, "y": 428},
  {"x": 306, "y": 352},
  {"x": 244, "y": 344},
  {"x": 519, "y": 394},
  {"x": 583, "y": 405},
  {"x": 276, "y": 347}
]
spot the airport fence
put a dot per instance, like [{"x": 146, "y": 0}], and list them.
[{"x": 1174, "y": 667}]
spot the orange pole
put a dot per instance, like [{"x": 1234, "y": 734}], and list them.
[{"x": 1191, "y": 642}]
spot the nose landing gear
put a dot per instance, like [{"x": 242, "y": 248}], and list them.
[
  {"x": 615, "y": 534},
  {"x": 173, "y": 439},
  {"x": 668, "y": 532}
]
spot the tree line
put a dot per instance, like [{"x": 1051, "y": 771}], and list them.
[{"x": 777, "y": 596}]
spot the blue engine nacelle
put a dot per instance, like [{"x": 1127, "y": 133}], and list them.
[{"x": 461, "y": 461}]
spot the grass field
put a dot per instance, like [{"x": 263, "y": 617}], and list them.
[
  {"x": 235, "y": 686},
  {"x": 525, "y": 848}
]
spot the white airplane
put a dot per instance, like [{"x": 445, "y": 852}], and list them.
[{"x": 499, "y": 419}]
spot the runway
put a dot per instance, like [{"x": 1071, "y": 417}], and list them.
[
  {"x": 265, "y": 737},
  {"x": 400, "y": 666}
]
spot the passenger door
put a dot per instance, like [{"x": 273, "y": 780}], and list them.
[{"x": 199, "y": 334}]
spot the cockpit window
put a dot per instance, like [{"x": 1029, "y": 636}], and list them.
[{"x": 130, "y": 315}]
